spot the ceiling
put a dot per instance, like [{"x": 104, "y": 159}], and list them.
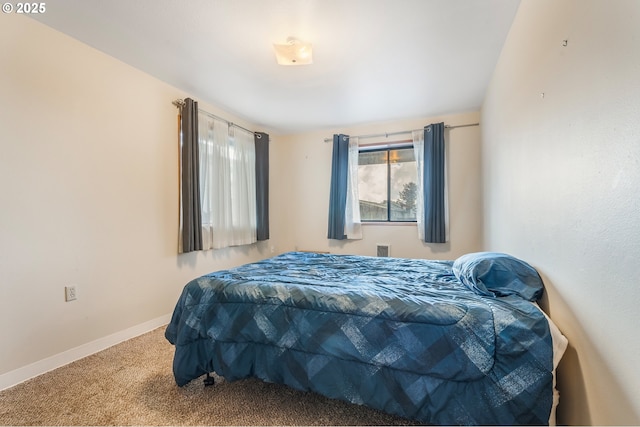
[{"x": 373, "y": 60}]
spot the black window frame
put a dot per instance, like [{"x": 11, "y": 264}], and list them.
[{"x": 387, "y": 147}]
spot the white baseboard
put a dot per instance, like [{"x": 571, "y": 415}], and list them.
[{"x": 40, "y": 367}]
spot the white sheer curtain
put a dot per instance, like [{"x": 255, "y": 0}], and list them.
[
  {"x": 352, "y": 223},
  {"x": 227, "y": 184},
  {"x": 418, "y": 151}
]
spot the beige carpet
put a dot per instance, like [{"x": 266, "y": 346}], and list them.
[{"x": 132, "y": 384}]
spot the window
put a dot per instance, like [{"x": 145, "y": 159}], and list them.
[{"x": 387, "y": 183}]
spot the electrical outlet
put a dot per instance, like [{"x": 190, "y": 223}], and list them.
[{"x": 70, "y": 293}]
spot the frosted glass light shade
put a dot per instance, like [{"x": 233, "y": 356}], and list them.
[{"x": 294, "y": 52}]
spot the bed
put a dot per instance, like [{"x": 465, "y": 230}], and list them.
[{"x": 457, "y": 342}]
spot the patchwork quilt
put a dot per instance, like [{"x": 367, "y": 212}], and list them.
[{"x": 435, "y": 341}]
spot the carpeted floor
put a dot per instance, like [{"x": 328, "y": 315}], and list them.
[{"x": 132, "y": 384}]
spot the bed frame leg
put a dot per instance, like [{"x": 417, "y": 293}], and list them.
[{"x": 209, "y": 381}]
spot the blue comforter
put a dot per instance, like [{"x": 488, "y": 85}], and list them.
[{"x": 404, "y": 336}]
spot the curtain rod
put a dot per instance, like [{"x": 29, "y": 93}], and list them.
[
  {"x": 386, "y": 135},
  {"x": 180, "y": 103}
]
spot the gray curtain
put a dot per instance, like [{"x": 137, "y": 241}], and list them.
[
  {"x": 262, "y": 184},
  {"x": 433, "y": 181},
  {"x": 338, "y": 190},
  {"x": 190, "y": 158}
]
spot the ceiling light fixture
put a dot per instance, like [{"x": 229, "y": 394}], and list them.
[{"x": 294, "y": 52}]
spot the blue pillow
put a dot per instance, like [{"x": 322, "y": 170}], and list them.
[{"x": 497, "y": 274}]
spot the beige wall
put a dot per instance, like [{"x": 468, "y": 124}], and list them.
[
  {"x": 88, "y": 194},
  {"x": 305, "y": 177},
  {"x": 561, "y": 180}
]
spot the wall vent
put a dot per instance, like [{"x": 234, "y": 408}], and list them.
[{"x": 383, "y": 250}]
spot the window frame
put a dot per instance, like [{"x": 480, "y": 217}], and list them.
[{"x": 379, "y": 147}]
